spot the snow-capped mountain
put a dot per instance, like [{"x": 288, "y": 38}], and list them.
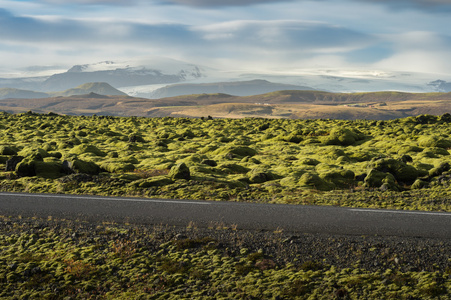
[
  {"x": 142, "y": 77},
  {"x": 124, "y": 73}
]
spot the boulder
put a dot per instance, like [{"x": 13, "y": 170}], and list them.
[
  {"x": 340, "y": 179},
  {"x": 402, "y": 172},
  {"x": 313, "y": 181},
  {"x": 12, "y": 163},
  {"x": 209, "y": 162},
  {"x": 259, "y": 175},
  {"x": 25, "y": 168},
  {"x": 51, "y": 170},
  {"x": 29, "y": 167},
  {"x": 233, "y": 169},
  {"x": 377, "y": 178},
  {"x": 80, "y": 166},
  {"x": 180, "y": 171},
  {"x": 6, "y": 150}
]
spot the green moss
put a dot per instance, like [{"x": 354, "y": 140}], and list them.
[
  {"x": 87, "y": 167},
  {"x": 290, "y": 181},
  {"x": 419, "y": 184},
  {"x": 376, "y": 178},
  {"x": 313, "y": 181},
  {"x": 152, "y": 182},
  {"x": 232, "y": 159},
  {"x": 232, "y": 151},
  {"x": 49, "y": 169},
  {"x": 402, "y": 172},
  {"x": 436, "y": 151},
  {"x": 6, "y": 150},
  {"x": 406, "y": 149},
  {"x": 233, "y": 168},
  {"x": 343, "y": 136},
  {"x": 434, "y": 141},
  {"x": 340, "y": 179},
  {"x": 26, "y": 167},
  {"x": 180, "y": 171},
  {"x": 29, "y": 167},
  {"x": 34, "y": 153},
  {"x": 84, "y": 149},
  {"x": 260, "y": 175},
  {"x": 309, "y": 161}
]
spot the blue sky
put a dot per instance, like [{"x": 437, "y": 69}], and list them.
[{"x": 247, "y": 35}]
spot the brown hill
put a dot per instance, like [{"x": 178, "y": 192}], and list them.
[{"x": 282, "y": 104}]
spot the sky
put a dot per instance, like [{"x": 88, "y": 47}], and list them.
[{"x": 245, "y": 35}]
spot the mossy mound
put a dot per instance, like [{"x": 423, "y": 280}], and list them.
[
  {"x": 86, "y": 167},
  {"x": 405, "y": 149},
  {"x": 419, "y": 184},
  {"x": 85, "y": 149},
  {"x": 293, "y": 138},
  {"x": 343, "y": 137},
  {"x": 340, "y": 179},
  {"x": 290, "y": 181},
  {"x": 51, "y": 170},
  {"x": 313, "y": 181},
  {"x": 436, "y": 151},
  {"x": 26, "y": 168},
  {"x": 233, "y": 169},
  {"x": 234, "y": 151},
  {"x": 402, "y": 172},
  {"x": 309, "y": 161},
  {"x": 33, "y": 153},
  {"x": 180, "y": 171},
  {"x": 260, "y": 175},
  {"x": 3, "y": 159},
  {"x": 6, "y": 150},
  {"x": 209, "y": 162},
  {"x": 153, "y": 181},
  {"x": 434, "y": 141},
  {"x": 377, "y": 178},
  {"x": 117, "y": 167},
  {"x": 439, "y": 170},
  {"x": 29, "y": 167}
]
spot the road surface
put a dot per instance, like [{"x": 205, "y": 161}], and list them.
[{"x": 248, "y": 216}]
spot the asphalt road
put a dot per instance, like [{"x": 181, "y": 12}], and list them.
[{"x": 248, "y": 216}]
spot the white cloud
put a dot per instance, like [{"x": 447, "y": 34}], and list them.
[
  {"x": 419, "y": 51},
  {"x": 285, "y": 36}
]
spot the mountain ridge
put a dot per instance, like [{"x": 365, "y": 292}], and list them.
[
  {"x": 236, "y": 88},
  {"x": 101, "y": 88},
  {"x": 281, "y": 104}
]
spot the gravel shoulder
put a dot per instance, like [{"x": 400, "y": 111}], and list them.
[{"x": 372, "y": 253}]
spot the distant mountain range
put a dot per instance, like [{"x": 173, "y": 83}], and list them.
[
  {"x": 100, "y": 88},
  {"x": 6, "y": 93},
  {"x": 236, "y": 88},
  {"x": 117, "y": 74},
  {"x": 161, "y": 77}
]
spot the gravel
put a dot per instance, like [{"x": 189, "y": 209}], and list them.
[{"x": 372, "y": 253}]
